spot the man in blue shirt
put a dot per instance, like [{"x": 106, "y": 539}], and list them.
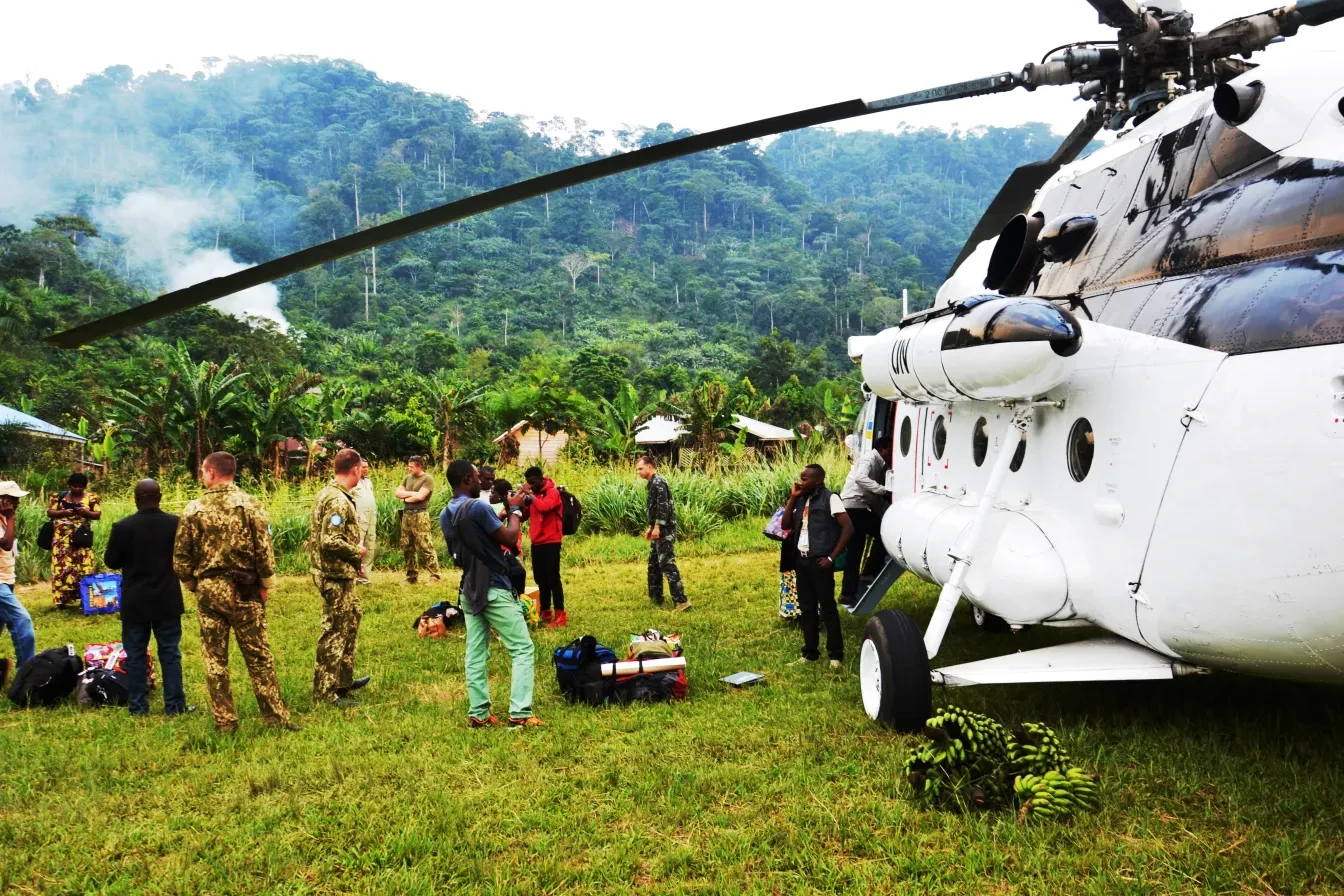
[{"x": 474, "y": 535}]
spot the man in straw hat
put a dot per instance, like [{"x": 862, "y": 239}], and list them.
[{"x": 13, "y": 615}]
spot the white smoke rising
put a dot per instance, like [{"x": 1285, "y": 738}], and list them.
[{"x": 155, "y": 225}]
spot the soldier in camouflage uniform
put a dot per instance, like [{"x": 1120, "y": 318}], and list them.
[
  {"x": 334, "y": 555},
  {"x": 661, "y": 535},
  {"x": 223, "y": 537},
  {"x": 416, "y": 543}
]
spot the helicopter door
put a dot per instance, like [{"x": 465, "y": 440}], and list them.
[{"x": 1140, "y": 404}]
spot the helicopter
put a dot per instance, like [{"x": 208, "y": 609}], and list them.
[{"x": 1120, "y": 408}]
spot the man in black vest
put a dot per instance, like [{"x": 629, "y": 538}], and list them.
[
  {"x": 820, "y": 531},
  {"x": 141, "y": 546}
]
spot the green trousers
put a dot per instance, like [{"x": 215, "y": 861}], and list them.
[{"x": 504, "y": 614}]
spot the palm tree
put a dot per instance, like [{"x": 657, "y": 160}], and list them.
[
  {"x": 208, "y": 392},
  {"x": 707, "y": 415},
  {"x": 459, "y": 404},
  {"x": 151, "y": 415},
  {"x": 621, "y": 416},
  {"x": 279, "y": 416}
]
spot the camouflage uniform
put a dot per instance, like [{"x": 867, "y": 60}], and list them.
[
  {"x": 662, "y": 553},
  {"x": 226, "y": 529},
  {"x": 416, "y": 543},
  {"x": 333, "y": 557}
]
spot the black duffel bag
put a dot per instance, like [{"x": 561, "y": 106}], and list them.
[
  {"x": 47, "y": 678},
  {"x": 578, "y": 670}
]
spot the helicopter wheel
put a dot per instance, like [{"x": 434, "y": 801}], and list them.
[
  {"x": 894, "y": 672},
  {"x": 988, "y": 622}
]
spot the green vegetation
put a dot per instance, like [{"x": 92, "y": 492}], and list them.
[
  {"x": 1209, "y": 785},
  {"x": 723, "y": 282}
]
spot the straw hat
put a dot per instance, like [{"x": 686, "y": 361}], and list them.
[{"x": 11, "y": 488}]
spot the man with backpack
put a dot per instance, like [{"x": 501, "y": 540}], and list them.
[
  {"x": 13, "y": 614},
  {"x": 474, "y": 535},
  {"x": 543, "y": 506}
]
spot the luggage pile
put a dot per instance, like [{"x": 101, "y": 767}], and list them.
[
  {"x": 654, "y": 670},
  {"x": 98, "y": 678}
]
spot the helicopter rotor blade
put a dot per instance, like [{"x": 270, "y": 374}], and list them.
[
  {"x": 360, "y": 241},
  {"x": 1122, "y": 14},
  {"x": 1018, "y": 191}
]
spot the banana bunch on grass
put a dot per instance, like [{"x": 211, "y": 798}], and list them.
[
  {"x": 964, "y": 765},
  {"x": 1056, "y": 794},
  {"x": 1034, "y": 749}
]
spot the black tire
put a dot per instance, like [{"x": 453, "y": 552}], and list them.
[
  {"x": 988, "y": 622},
  {"x": 894, "y": 672}
]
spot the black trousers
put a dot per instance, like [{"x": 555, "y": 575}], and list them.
[
  {"x": 867, "y": 531},
  {"x": 546, "y": 573},
  {"x": 816, "y": 589}
]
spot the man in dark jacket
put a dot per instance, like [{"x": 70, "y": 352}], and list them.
[
  {"x": 141, "y": 546},
  {"x": 820, "y": 531},
  {"x": 661, "y": 535}
]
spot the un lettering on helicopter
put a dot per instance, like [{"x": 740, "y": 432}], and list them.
[{"x": 1126, "y": 408}]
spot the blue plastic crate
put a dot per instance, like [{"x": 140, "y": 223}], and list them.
[{"x": 100, "y": 593}]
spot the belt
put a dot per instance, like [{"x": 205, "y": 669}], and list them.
[
  {"x": 220, "y": 573},
  {"x": 417, "y": 509}
]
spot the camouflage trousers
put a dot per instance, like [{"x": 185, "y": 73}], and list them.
[
  {"x": 418, "y": 546},
  {"x": 220, "y": 611},
  {"x": 336, "y": 645},
  {"x": 663, "y": 562}
]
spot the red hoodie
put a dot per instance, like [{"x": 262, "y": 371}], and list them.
[{"x": 546, "y": 524}]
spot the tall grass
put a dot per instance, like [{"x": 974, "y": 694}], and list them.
[{"x": 613, "y": 496}]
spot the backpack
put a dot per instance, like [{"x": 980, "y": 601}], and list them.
[
  {"x": 578, "y": 670},
  {"x": 571, "y": 511},
  {"x": 47, "y": 678},
  {"x": 434, "y": 622},
  {"x": 102, "y": 687}
]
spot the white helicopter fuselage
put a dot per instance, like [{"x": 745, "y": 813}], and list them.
[{"x": 1208, "y": 525}]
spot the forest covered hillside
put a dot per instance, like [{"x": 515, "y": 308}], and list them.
[{"x": 730, "y": 277}]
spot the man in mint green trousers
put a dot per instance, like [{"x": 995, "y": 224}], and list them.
[{"x": 476, "y": 538}]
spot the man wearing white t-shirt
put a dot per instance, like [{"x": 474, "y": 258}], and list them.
[
  {"x": 821, "y": 534},
  {"x": 13, "y": 615}
]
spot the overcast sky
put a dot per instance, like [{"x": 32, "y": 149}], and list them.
[{"x": 701, "y": 64}]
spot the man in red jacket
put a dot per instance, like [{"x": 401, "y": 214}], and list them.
[{"x": 541, "y": 502}]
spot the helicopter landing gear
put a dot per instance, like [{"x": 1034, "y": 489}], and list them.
[
  {"x": 894, "y": 672},
  {"x": 988, "y": 622}
]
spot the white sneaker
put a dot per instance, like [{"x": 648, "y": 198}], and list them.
[
  {"x": 802, "y": 660},
  {"x": 837, "y": 664}
]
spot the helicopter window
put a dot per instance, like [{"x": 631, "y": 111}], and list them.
[
  {"x": 1082, "y": 445},
  {"x": 939, "y": 437},
  {"x": 1019, "y": 455},
  {"x": 980, "y": 441},
  {"x": 905, "y": 437}
]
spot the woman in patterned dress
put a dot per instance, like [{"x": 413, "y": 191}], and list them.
[{"x": 68, "y": 510}]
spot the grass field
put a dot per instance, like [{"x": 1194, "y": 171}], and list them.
[{"x": 1211, "y": 785}]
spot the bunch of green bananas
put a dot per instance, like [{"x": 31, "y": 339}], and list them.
[
  {"x": 963, "y": 765},
  {"x": 1056, "y": 794},
  {"x": 1034, "y": 749}
]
